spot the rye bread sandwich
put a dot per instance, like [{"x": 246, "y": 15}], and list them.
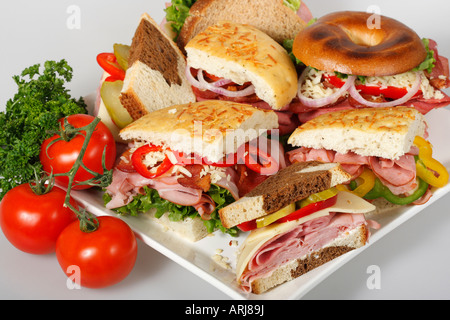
[
  {"x": 237, "y": 62},
  {"x": 155, "y": 77},
  {"x": 359, "y": 59},
  {"x": 298, "y": 220},
  {"x": 185, "y": 162},
  {"x": 384, "y": 150},
  {"x": 280, "y": 19}
]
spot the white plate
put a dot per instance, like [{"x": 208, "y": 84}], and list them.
[{"x": 198, "y": 257}]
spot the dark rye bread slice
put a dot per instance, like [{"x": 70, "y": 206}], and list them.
[
  {"x": 156, "y": 75},
  {"x": 293, "y": 183}
]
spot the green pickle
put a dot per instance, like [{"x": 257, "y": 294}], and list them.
[
  {"x": 270, "y": 218},
  {"x": 110, "y": 92},
  {"x": 319, "y": 196},
  {"x": 122, "y": 53}
]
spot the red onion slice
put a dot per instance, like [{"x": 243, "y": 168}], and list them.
[
  {"x": 332, "y": 98},
  {"x": 192, "y": 79},
  {"x": 411, "y": 92},
  {"x": 228, "y": 93},
  {"x": 202, "y": 84}
]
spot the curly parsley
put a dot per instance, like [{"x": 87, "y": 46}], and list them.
[{"x": 41, "y": 100}]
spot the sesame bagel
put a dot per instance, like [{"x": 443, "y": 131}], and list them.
[{"x": 359, "y": 43}]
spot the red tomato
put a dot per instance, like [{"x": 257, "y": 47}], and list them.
[
  {"x": 31, "y": 222},
  {"x": 104, "y": 256},
  {"x": 61, "y": 155}
]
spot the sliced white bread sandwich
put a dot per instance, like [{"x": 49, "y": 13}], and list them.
[
  {"x": 305, "y": 221},
  {"x": 155, "y": 77},
  {"x": 384, "y": 149},
  {"x": 181, "y": 163},
  {"x": 238, "y": 62},
  {"x": 280, "y": 19}
]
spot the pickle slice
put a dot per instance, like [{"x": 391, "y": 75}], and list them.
[
  {"x": 271, "y": 218},
  {"x": 110, "y": 92},
  {"x": 122, "y": 53},
  {"x": 320, "y": 196}
]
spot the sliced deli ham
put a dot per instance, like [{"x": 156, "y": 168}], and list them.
[
  {"x": 398, "y": 175},
  {"x": 298, "y": 242}
]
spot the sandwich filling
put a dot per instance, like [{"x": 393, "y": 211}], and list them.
[
  {"x": 326, "y": 91},
  {"x": 402, "y": 181},
  {"x": 148, "y": 176},
  {"x": 269, "y": 248}
]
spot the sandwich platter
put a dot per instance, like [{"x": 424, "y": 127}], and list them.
[{"x": 214, "y": 258}]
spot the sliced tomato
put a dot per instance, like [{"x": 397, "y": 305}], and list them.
[
  {"x": 142, "y": 169},
  {"x": 109, "y": 63}
]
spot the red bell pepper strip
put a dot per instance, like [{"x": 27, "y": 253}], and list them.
[
  {"x": 309, "y": 209},
  {"x": 266, "y": 165},
  {"x": 142, "y": 169},
  {"x": 108, "y": 62},
  {"x": 387, "y": 91}
]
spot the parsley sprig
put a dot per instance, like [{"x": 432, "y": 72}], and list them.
[{"x": 41, "y": 99}]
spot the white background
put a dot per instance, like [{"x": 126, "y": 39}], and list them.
[{"x": 414, "y": 259}]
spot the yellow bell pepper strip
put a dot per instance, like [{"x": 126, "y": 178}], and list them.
[
  {"x": 368, "y": 178},
  {"x": 426, "y": 166}
]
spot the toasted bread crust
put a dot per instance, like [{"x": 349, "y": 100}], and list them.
[
  {"x": 344, "y": 42},
  {"x": 270, "y": 16}
]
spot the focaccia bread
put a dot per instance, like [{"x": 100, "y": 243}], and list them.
[
  {"x": 210, "y": 128},
  {"x": 381, "y": 132},
  {"x": 243, "y": 53}
]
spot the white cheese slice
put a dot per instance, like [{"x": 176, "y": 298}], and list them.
[{"x": 346, "y": 202}]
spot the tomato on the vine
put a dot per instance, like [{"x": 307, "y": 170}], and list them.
[
  {"x": 32, "y": 222},
  {"x": 104, "y": 256},
  {"x": 59, "y": 156}
]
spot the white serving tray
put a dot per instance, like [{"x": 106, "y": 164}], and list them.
[{"x": 198, "y": 257}]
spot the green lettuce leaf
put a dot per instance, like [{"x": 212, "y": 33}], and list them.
[
  {"x": 292, "y": 4},
  {"x": 150, "y": 199},
  {"x": 429, "y": 62},
  {"x": 177, "y": 14}
]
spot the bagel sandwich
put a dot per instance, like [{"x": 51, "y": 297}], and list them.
[
  {"x": 353, "y": 61},
  {"x": 186, "y": 161},
  {"x": 237, "y": 62},
  {"x": 384, "y": 150},
  {"x": 280, "y": 19},
  {"x": 297, "y": 220}
]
